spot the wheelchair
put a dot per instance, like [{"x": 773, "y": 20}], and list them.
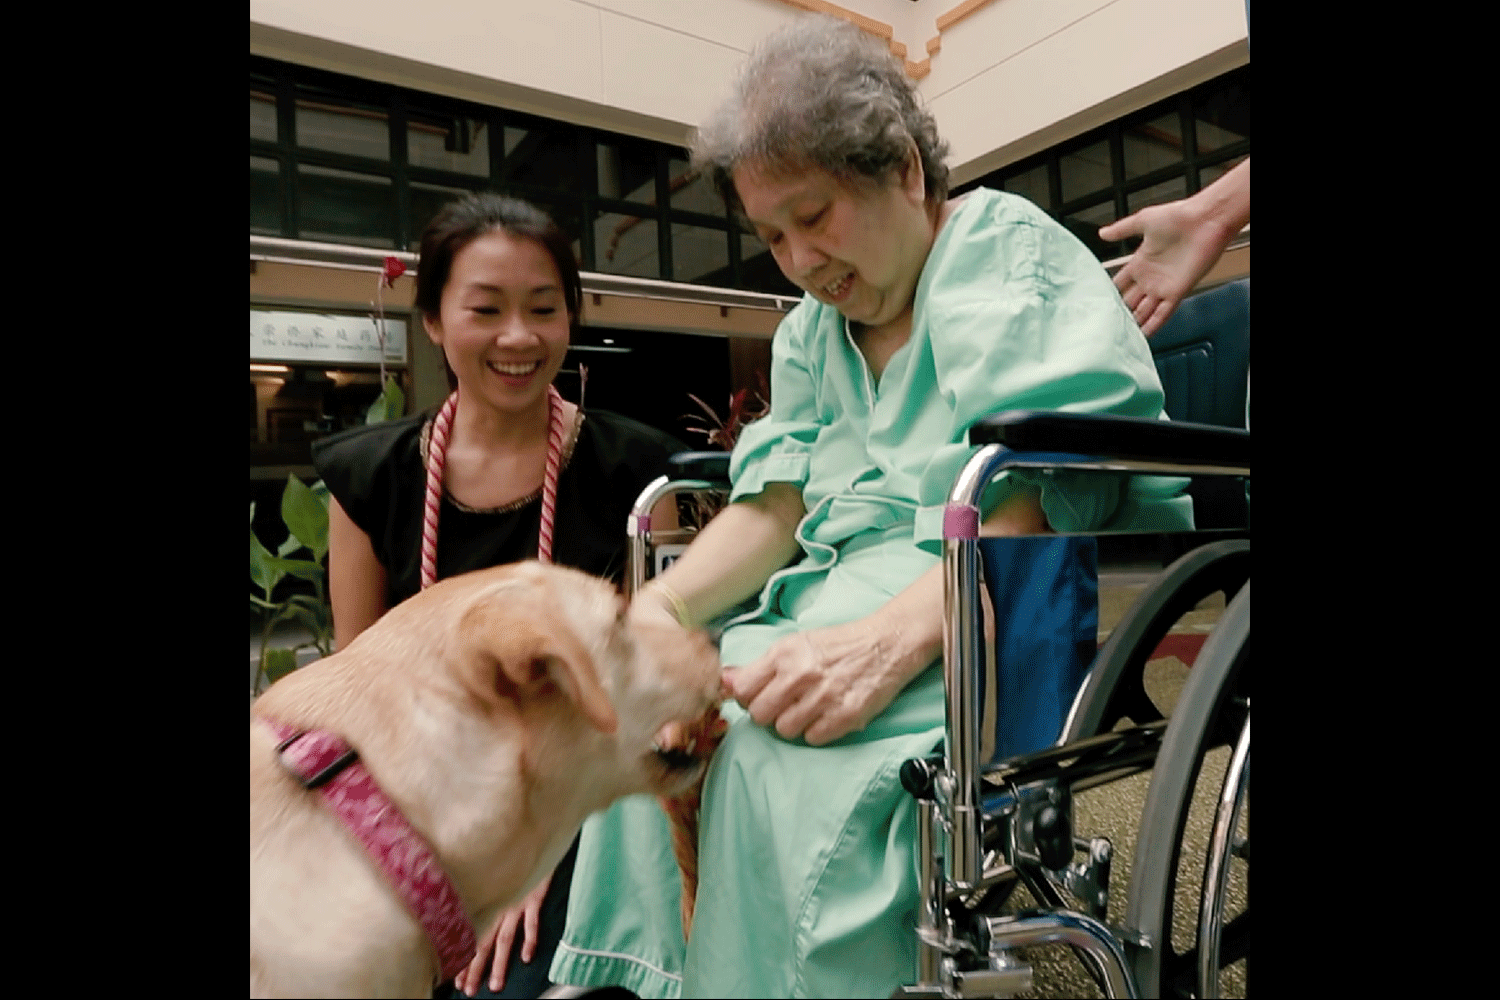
[{"x": 990, "y": 827}]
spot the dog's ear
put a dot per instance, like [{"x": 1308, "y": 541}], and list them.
[{"x": 524, "y": 645}]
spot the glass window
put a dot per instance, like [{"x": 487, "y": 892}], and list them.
[
  {"x": 263, "y": 115},
  {"x": 1153, "y": 145},
  {"x": 343, "y": 127},
  {"x": 759, "y": 271},
  {"x": 1171, "y": 190},
  {"x": 459, "y": 145},
  {"x": 1031, "y": 185},
  {"x": 1086, "y": 171},
  {"x": 265, "y": 196},
  {"x": 426, "y": 200},
  {"x": 625, "y": 244},
  {"x": 340, "y": 206},
  {"x": 1085, "y": 224},
  {"x": 700, "y": 255},
  {"x": 569, "y": 218},
  {"x": 1207, "y": 175},
  {"x": 690, "y": 191},
  {"x": 1222, "y": 117},
  {"x": 543, "y": 159},
  {"x": 627, "y": 171}
]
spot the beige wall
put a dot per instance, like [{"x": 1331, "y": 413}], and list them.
[
  {"x": 1008, "y": 79},
  {"x": 1019, "y": 76}
]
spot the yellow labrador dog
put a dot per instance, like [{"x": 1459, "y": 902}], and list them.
[{"x": 495, "y": 711}]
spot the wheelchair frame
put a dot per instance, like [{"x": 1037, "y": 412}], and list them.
[{"x": 983, "y": 830}]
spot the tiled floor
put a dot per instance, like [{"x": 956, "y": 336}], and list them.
[{"x": 1114, "y": 811}]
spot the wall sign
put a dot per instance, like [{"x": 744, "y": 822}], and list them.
[{"x": 323, "y": 338}]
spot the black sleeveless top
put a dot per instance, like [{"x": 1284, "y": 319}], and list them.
[{"x": 378, "y": 475}]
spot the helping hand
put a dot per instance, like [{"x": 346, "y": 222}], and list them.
[
  {"x": 498, "y": 939},
  {"x": 1178, "y": 248},
  {"x": 821, "y": 685}
]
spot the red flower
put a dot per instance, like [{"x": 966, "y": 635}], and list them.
[{"x": 394, "y": 269}]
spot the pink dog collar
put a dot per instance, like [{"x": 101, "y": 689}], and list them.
[{"x": 325, "y": 761}]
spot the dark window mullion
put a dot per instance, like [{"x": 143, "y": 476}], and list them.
[
  {"x": 588, "y": 244},
  {"x": 344, "y": 161},
  {"x": 663, "y": 216},
  {"x": 497, "y": 148},
  {"x": 1224, "y": 154},
  {"x": 1087, "y": 202},
  {"x": 446, "y": 178},
  {"x": 736, "y": 278},
  {"x": 286, "y": 133},
  {"x": 1189, "y": 128},
  {"x": 1158, "y": 176},
  {"x": 699, "y": 219},
  {"x": 399, "y": 181},
  {"x": 1116, "y": 136}
]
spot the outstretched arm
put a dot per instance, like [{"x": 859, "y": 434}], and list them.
[
  {"x": 1181, "y": 241},
  {"x": 730, "y": 559}
]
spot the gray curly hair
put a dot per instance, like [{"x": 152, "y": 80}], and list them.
[{"x": 820, "y": 94}]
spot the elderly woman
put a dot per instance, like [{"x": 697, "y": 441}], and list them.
[{"x": 921, "y": 316}]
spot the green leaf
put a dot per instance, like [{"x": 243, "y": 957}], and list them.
[
  {"x": 305, "y": 515},
  {"x": 289, "y": 546},
  {"x": 312, "y": 621},
  {"x": 307, "y": 602},
  {"x": 278, "y": 663},
  {"x": 302, "y": 569},
  {"x": 263, "y": 571},
  {"x": 252, "y": 513},
  {"x": 389, "y": 405}
]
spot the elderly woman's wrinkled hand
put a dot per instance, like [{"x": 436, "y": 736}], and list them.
[{"x": 820, "y": 685}]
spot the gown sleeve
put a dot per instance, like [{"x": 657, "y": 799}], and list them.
[
  {"x": 777, "y": 447},
  {"x": 1020, "y": 316}
]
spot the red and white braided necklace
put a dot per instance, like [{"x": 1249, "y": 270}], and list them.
[
  {"x": 437, "y": 454},
  {"x": 682, "y": 812}
]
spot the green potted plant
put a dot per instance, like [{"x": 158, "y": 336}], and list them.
[{"x": 304, "y": 510}]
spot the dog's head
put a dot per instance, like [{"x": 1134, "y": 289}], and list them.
[{"x": 555, "y": 646}]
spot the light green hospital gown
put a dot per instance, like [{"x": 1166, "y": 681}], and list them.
[{"x": 806, "y": 865}]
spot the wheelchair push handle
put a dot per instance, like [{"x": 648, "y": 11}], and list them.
[
  {"x": 1107, "y": 436},
  {"x": 710, "y": 465}
]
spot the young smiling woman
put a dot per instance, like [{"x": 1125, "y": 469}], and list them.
[{"x": 506, "y": 470}]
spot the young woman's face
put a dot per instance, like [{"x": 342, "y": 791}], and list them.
[
  {"x": 502, "y": 322},
  {"x": 859, "y": 251}
]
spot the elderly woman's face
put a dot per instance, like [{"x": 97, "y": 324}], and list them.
[{"x": 858, "y": 251}]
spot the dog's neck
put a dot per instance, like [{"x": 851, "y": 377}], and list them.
[{"x": 449, "y": 799}]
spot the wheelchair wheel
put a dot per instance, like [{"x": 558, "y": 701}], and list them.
[
  {"x": 1113, "y": 689},
  {"x": 1187, "y": 943}
]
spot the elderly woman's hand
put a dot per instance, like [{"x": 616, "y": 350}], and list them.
[{"x": 823, "y": 684}]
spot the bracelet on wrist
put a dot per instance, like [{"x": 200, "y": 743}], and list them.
[{"x": 673, "y": 601}]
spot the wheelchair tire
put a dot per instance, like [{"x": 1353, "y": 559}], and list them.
[
  {"x": 1113, "y": 688},
  {"x": 1212, "y": 711}
]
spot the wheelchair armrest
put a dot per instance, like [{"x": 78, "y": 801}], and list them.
[
  {"x": 1107, "y": 436},
  {"x": 712, "y": 466}
]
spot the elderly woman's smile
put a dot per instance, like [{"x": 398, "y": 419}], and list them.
[{"x": 858, "y": 249}]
